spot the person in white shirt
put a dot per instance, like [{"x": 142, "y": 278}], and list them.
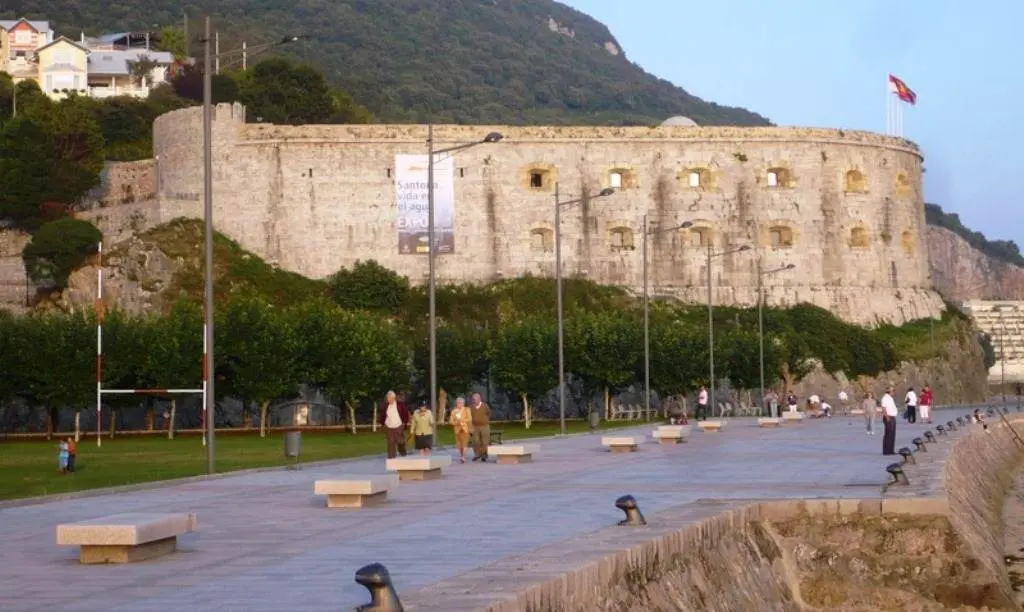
[
  {"x": 911, "y": 402},
  {"x": 826, "y": 409},
  {"x": 889, "y": 414},
  {"x": 702, "y": 405},
  {"x": 844, "y": 407}
]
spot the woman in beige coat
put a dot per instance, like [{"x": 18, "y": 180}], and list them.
[{"x": 461, "y": 420}]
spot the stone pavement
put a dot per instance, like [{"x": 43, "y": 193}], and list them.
[{"x": 265, "y": 542}]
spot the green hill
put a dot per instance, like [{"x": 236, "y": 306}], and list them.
[{"x": 465, "y": 61}]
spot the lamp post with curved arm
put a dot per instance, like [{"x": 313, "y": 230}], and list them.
[
  {"x": 490, "y": 138},
  {"x": 647, "y": 312},
  {"x": 208, "y": 369},
  {"x": 607, "y": 191}
]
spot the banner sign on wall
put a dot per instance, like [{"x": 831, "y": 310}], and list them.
[{"x": 411, "y": 193}]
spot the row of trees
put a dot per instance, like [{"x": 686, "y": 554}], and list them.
[{"x": 354, "y": 352}]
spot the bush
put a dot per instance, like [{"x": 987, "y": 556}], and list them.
[{"x": 57, "y": 248}]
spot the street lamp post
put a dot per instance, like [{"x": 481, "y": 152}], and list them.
[
  {"x": 432, "y": 256},
  {"x": 607, "y": 191},
  {"x": 760, "y": 316},
  {"x": 208, "y": 361},
  {"x": 647, "y": 313},
  {"x": 711, "y": 321}
]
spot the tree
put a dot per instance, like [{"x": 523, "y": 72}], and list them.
[
  {"x": 126, "y": 342},
  {"x": 525, "y": 357},
  {"x": 58, "y": 248},
  {"x": 679, "y": 356},
  {"x": 462, "y": 351},
  {"x": 369, "y": 286},
  {"x": 28, "y": 164},
  {"x": 606, "y": 349},
  {"x": 12, "y": 349},
  {"x": 175, "y": 356},
  {"x": 280, "y": 91},
  {"x": 60, "y": 368},
  {"x": 188, "y": 84},
  {"x": 172, "y": 40},
  {"x": 260, "y": 352},
  {"x": 142, "y": 69}
]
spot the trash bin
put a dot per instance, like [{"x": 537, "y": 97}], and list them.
[
  {"x": 595, "y": 419},
  {"x": 292, "y": 442}
]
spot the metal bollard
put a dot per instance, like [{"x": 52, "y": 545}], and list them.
[
  {"x": 951, "y": 425},
  {"x": 896, "y": 471},
  {"x": 919, "y": 443},
  {"x": 928, "y": 435},
  {"x": 960, "y": 421},
  {"x": 627, "y": 503},
  {"x": 377, "y": 580},
  {"x": 908, "y": 456}
]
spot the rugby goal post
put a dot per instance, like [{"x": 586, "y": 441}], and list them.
[{"x": 100, "y": 391}]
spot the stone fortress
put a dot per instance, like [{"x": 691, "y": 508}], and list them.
[{"x": 844, "y": 207}]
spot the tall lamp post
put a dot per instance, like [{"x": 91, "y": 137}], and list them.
[
  {"x": 432, "y": 254},
  {"x": 647, "y": 312},
  {"x": 761, "y": 273},
  {"x": 208, "y": 369},
  {"x": 607, "y": 191},
  {"x": 711, "y": 320}
]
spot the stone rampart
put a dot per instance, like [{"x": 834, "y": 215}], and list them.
[
  {"x": 844, "y": 207},
  {"x": 933, "y": 545}
]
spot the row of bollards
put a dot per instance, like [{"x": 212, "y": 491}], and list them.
[
  {"x": 896, "y": 469},
  {"x": 383, "y": 597}
]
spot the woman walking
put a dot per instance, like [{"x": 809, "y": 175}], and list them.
[
  {"x": 462, "y": 424},
  {"x": 869, "y": 407},
  {"x": 423, "y": 429}
]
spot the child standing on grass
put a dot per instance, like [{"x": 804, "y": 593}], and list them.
[
  {"x": 72, "y": 452},
  {"x": 62, "y": 456}
]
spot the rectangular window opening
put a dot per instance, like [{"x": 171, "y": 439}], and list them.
[{"x": 536, "y": 180}]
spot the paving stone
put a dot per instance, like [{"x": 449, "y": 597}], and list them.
[{"x": 265, "y": 542}]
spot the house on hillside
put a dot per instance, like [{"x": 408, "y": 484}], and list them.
[
  {"x": 19, "y": 44},
  {"x": 63, "y": 68},
  {"x": 128, "y": 72}
]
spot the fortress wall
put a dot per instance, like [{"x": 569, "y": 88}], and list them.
[{"x": 317, "y": 198}]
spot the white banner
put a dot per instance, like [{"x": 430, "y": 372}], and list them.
[{"x": 411, "y": 194}]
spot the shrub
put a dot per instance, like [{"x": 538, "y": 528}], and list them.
[{"x": 57, "y": 248}]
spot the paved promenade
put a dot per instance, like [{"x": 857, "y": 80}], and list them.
[{"x": 265, "y": 542}]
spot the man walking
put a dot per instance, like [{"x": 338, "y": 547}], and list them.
[
  {"x": 702, "y": 405},
  {"x": 889, "y": 414},
  {"x": 395, "y": 418},
  {"x": 481, "y": 418},
  {"x": 772, "y": 400},
  {"x": 911, "y": 401}
]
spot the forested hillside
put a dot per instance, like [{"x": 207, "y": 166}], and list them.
[{"x": 466, "y": 61}]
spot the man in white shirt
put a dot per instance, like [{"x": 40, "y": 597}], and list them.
[
  {"x": 844, "y": 407},
  {"x": 911, "y": 402},
  {"x": 889, "y": 414},
  {"x": 702, "y": 405}
]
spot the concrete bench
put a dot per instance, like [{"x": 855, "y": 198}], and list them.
[
  {"x": 671, "y": 434},
  {"x": 126, "y": 538},
  {"x": 769, "y": 422},
  {"x": 513, "y": 453},
  {"x": 857, "y": 411},
  {"x": 356, "y": 492},
  {"x": 793, "y": 417},
  {"x": 711, "y": 426},
  {"x": 418, "y": 468},
  {"x": 622, "y": 444}
]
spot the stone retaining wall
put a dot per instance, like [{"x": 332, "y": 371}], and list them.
[{"x": 938, "y": 546}]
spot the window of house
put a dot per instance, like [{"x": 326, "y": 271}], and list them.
[
  {"x": 694, "y": 178},
  {"x": 542, "y": 240},
  {"x": 22, "y": 37},
  {"x": 855, "y": 182},
  {"x": 621, "y": 239},
  {"x": 773, "y": 179},
  {"x": 61, "y": 57},
  {"x": 859, "y": 237},
  {"x": 780, "y": 237},
  {"x": 536, "y": 179},
  {"x": 779, "y": 177},
  {"x": 615, "y": 180}
]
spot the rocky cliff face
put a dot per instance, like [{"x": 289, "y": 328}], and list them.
[{"x": 961, "y": 272}]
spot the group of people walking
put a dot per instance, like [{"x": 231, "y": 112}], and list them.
[
  {"x": 890, "y": 412},
  {"x": 471, "y": 424}
]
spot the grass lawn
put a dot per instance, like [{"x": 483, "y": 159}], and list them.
[{"x": 29, "y": 468}]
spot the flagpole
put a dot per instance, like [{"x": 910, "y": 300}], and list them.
[{"x": 888, "y": 106}]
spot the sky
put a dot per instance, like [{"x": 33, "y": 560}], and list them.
[{"x": 825, "y": 63}]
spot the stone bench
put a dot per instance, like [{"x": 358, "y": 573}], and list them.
[
  {"x": 126, "y": 538},
  {"x": 671, "y": 434},
  {"x": 711, "y": 426},
  {"x": 794, "y": 417},
  {"x": 622, "y": 444},
  {"x": 513, "y": 453},
  {"x": 356, "y": 492},
  {"x": 418, "y": 468},
  {"x": 769, "y": 422},
  {"x": 857, "y": 411}
]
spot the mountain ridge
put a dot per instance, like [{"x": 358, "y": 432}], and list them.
[{"x": 461, "y": 61}]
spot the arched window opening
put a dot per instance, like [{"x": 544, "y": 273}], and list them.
[
  {"x": 542, "y": 240},
  {"x": 855, "y": 182}
]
